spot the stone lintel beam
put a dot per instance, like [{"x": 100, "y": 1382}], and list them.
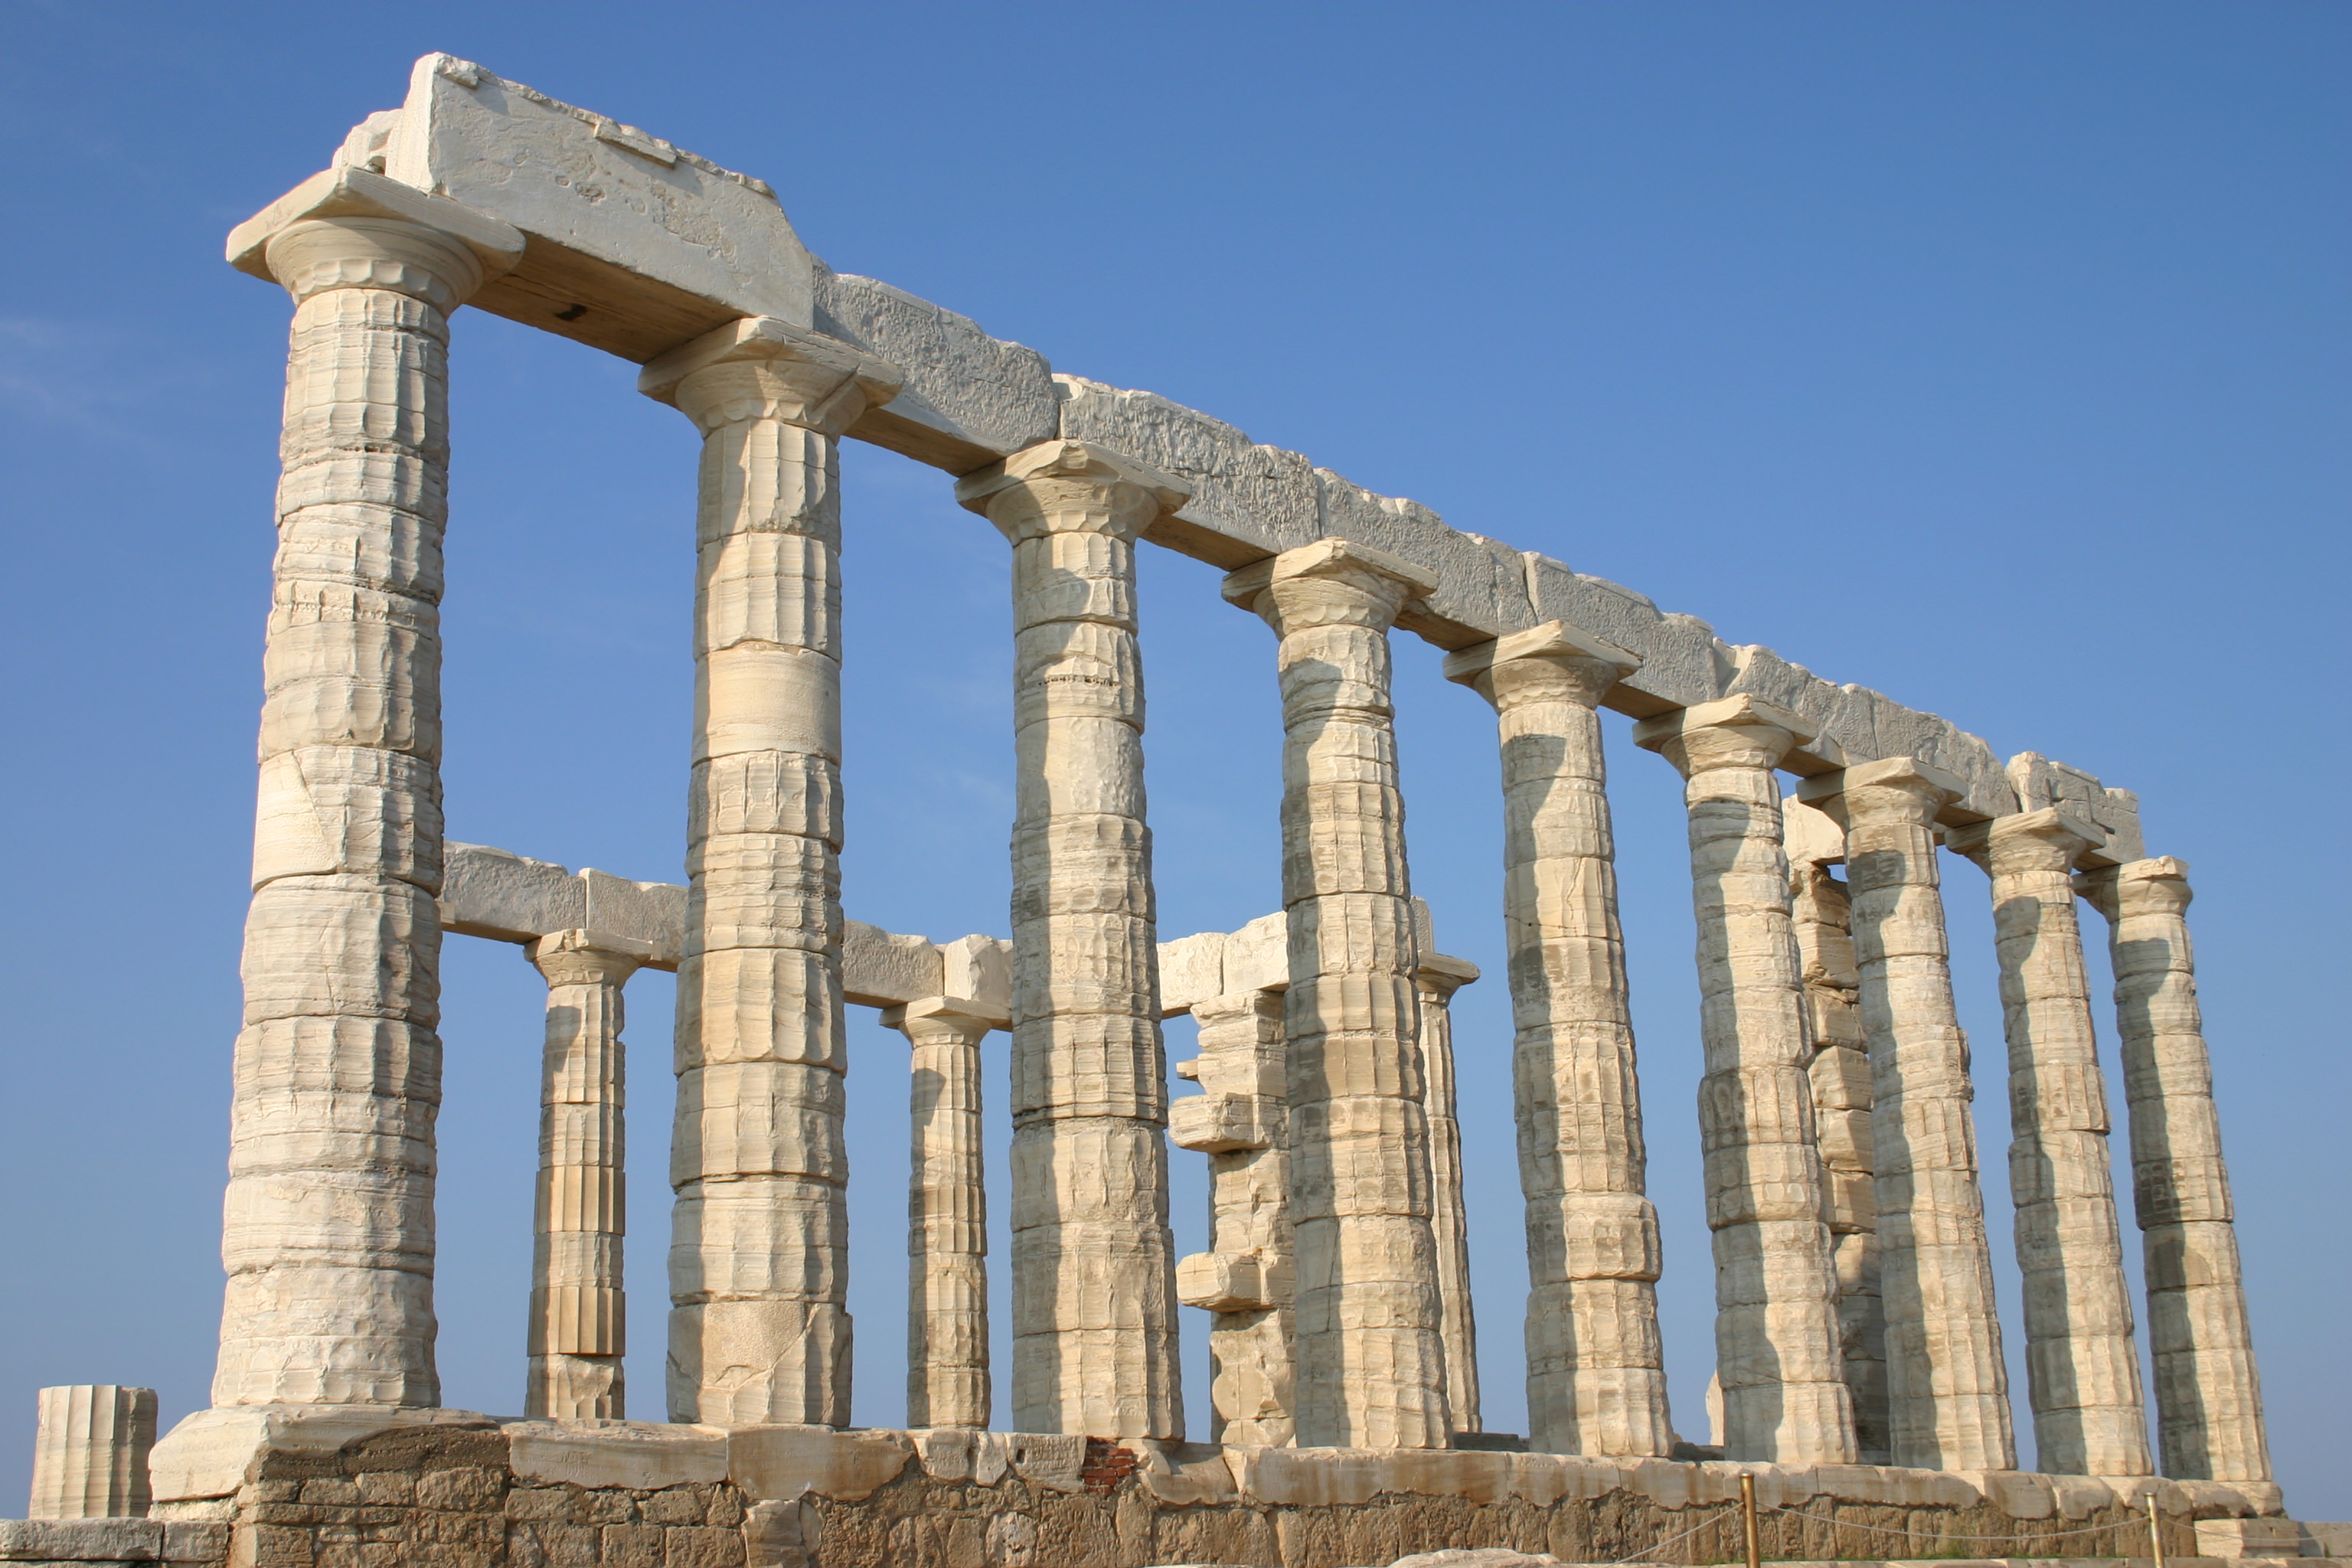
[
  {"x": 688, "y": 246},
  {"x": 503, "y": 897}
]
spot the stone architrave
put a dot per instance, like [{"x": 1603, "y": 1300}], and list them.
[
  {"x": 2209, "y": 1395},
  {"x": 947, "y": 1214},
  {"x": 328, "y": 1230},
  {"x": 759, "y": 1252},
  {"x": 1094, "y": 1330},
  {"x": 1821, "y": 913},
  {"x": 1778, "y": 1347},
  {"x": 1244, "y": 1279},
  {"x": 1371, "y": 1341},
  {"x": 1948, "y": 1384},
  {"x": 1436, "y": 982},
  {"x": 1596, "y": 1383},
  {"x": 89, "y": 1452},
  {"x": 578, "y": 1319},
  {"x": 2081, "y": 1361}
]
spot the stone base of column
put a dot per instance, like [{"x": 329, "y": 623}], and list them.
[{"x": 882, "y": 1498}]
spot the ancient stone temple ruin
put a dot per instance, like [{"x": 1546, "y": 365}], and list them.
[{"x": 1863, "y": 1384}]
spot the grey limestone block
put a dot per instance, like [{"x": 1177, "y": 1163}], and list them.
[
  {"x": 1680, "y": 668},
  {"x": 2044, "y": 783},
  {"x": 1482, "y": 585},
  {"x": 503, "y": 895},
  {"x": 1855, "y": 724},
  {"x": 93, "y": 1540},
  {"x": 969, "y": 398},
  {"x": 635, "y": 245},
  {"x": 1248, "y": 502},
  {"x": 650, "y": 912},
  {"x": 880, "y": 968}
]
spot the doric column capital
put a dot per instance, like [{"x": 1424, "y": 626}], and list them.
[
  {"x": 589, "y": 957},
  {"x": 759, "y": 367},
  {"x": 1329, "y": 582},
  {"x": 1070, "y": 487},
  {"x": 1440, "y": 975},
  {"x": 2153, "y": 887},
  {"x": 2045, "y": 840},
  {"x": 1894, "y": 790},
  {"x": 1554, "y": 662},
  {"x": 1740, "y": 732},
  {"x": 959, "y": 1015},
  {"x": 352, "y": 228}
]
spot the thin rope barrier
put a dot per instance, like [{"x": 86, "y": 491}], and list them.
[
  {"x": 1670, "y": 1540},
  {"x": 1947, "y": 1535}
]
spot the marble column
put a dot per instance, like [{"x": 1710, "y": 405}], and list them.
[
  {"x": 1595, "y": 1378},
  {"x": 2082, "y": 1365},
  {"x": 1435, "y": 983},
  {"x": 759, "y": 1252},
  {"x": 1244, "y": 1280},
  {"x": 89, "y": 1452},
  {"x": 1094, "y": 1330},
  {"x": 1947, "y": 1383},
  {"x": 328, "y": 1228},
  {"x": 578, "y": 1326},
  {"x": 1776, "y": 1329},
  {"x": 947, "y": 1214},
  {"x": 1371, "y": 1348},
  {"x": 1821, "y": 914},
  {"x": 2209, "y": 1396}
]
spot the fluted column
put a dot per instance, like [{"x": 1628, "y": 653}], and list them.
[
  {"x": 1435, "y": 982},
  {"x": 2082, "y": 1365},
  {"x": 328, "y": 1228},
  {"x": 1371, "y": 1351},
  {"x": 1948, "y": 1384},
  {"x": 1595, "y": 1378},
  {"x": 1776, "y": 1289},
  {"x": 947, "y": 1214},
  {"x": 1821, "y": 914},
  {"x": 89, "y": 1452},
  {"x": 578, "y": 1322},
  {"x": 1240, "y": 1121},
  {"x": 2209, "y": 1396},
  {"x": 759, "y": 1252},
  {"x": 1094, "y": 1330}
]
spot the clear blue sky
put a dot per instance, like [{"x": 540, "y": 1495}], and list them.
[{"x": 1989, "y": 354}]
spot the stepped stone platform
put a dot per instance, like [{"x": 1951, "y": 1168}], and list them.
[{"x": 327, "y": 1487}]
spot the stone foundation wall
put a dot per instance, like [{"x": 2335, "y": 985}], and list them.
[{"x": 328, "y": 1488}]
